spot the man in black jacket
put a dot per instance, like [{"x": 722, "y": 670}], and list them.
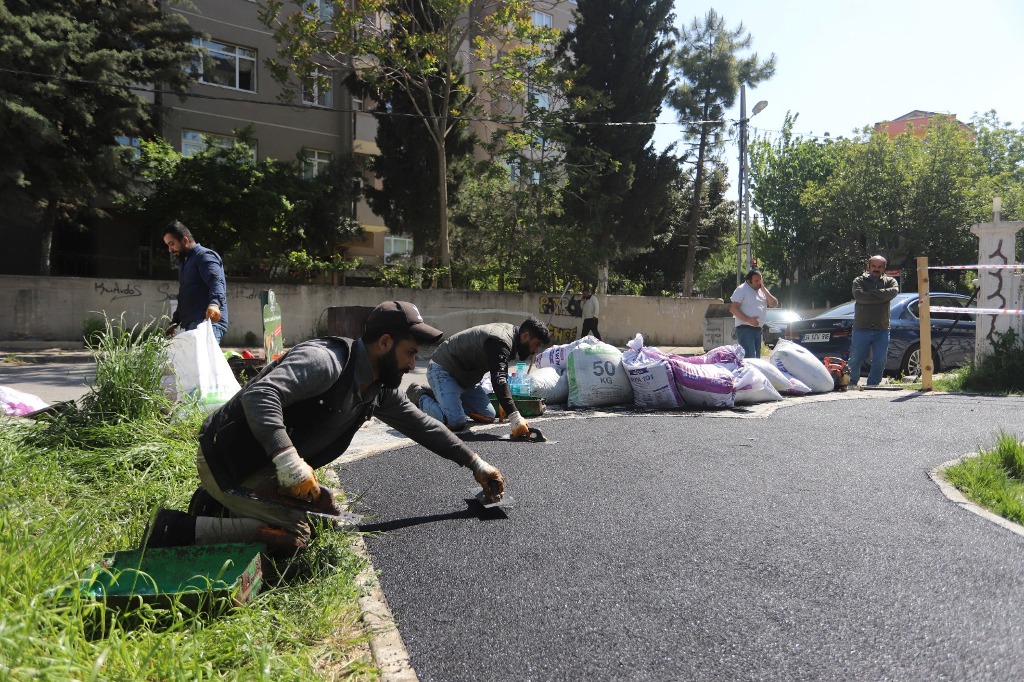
[{"x": 300, "y": 414}]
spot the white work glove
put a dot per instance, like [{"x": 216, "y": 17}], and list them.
[
  {"x": 489, "y": 478},
  {"x": 520, "y": 429},
  {"x": 213, "y": 312},
  {"x": 295, "y": 477}
]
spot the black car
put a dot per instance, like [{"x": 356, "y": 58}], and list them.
[{"x": 829, "y": 333}]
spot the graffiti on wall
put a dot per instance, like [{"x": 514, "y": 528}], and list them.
[
  {"x": 562, "y": 335},
  {"x": 553, "y": 304},
  {"x": 116, "y": 291},
  {"x": 998, "y": 293}
]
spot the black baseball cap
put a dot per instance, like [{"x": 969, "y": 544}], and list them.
[{"x": 401, "y": 316}]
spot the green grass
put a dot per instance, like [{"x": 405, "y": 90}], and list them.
[
  {"x": 83, "y": 483},
  {"x": 994, "y": 479}
]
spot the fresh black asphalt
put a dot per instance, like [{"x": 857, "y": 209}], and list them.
[{"x": 809, "y": 544}]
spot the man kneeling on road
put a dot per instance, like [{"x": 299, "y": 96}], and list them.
[
  {"x": 300, "y": 414},
  {"x": 454, "y": 396}
]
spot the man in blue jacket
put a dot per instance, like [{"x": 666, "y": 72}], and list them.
[{"x": 202, "y": 288}]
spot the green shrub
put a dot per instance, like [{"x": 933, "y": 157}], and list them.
[
  {"x": 994, "y": 479},
  {"x": 1002, "y": 371}
]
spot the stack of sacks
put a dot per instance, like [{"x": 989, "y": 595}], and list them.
[
  {"x": 797, "y": 361},
  {"x": 558, "y": 356},
  {"x": 783, "y": 382},
  {"x": 704, "y": 383},
  {"x": 596, "y": 376},
  {"x": 650, "y": 374}
]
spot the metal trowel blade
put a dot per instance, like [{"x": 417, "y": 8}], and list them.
[{"x": 505, "y": 501}]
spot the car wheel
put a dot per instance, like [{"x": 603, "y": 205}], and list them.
[{"x": 911, "y": 365}]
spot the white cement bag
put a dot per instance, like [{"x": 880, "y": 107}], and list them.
[
  {"x": 703, "y": 385},
  {"x": 596, "y": 377},
  {"x": 784, "y": 382},
  {"x": 558, "y": 356},
  {"x": 800, "y": 362},
  {"x": 650, "y": 373},
  {"x": 752, "y": 386},
  {"x": 550, "y": 384}
]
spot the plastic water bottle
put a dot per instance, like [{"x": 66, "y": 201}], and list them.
[{"x": 521, "y": 384}]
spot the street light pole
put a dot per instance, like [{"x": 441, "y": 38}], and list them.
[{"x": 744, "y": 251}]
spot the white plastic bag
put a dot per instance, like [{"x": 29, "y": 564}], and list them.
[
  {"x": 798, "y": 361},
  {"x": 15, "y": 403},
  {"x": 650, "y": 373},
  {"x": 550, "y": 384},
  {"x": 200, "y": 370},
  {"x": 596, "y": 377}
]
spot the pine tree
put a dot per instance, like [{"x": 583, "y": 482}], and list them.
[{"x": 69, "y": 85}]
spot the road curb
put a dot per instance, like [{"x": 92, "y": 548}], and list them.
[{"x": 938, "y": 476}]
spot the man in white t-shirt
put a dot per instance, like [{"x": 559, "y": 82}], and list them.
[{"x": 749, "y": 303}]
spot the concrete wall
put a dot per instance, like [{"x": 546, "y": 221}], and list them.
[{"x": 54, "y": 308}]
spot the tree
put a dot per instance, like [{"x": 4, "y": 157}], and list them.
[
  {"x": 616, "y": 61},
  {"x": 711, "y": 70},
  {"x": 79, "y": 63},
  {"x": 418, "y": 49},
  {"x": 245, "y": 208}
]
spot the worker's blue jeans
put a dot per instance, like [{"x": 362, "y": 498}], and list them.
[
  {"x": 451, "y": 401},
  {"x": 750, "y": 338},
  {"x": 875, "y": 340}
]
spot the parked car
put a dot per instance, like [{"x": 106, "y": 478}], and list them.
[
  {"x": 829, "y": 333},
  {"x": 775, "y": 324}
]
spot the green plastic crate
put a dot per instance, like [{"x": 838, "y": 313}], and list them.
[{"x": 528, "y": 407}]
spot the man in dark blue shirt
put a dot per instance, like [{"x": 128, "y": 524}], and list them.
[{"x": 202, "y": 288}]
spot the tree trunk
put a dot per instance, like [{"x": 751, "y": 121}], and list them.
[
  {"x": 442, "y": 174},
  {"x": 46, "y": 243},
  {"x": 691, "y": 245}
]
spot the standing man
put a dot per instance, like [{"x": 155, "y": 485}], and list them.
[
  {"x": 872, "y": 292},
  {"x": 590, "y": 312},
  {"x": 202, "y": 288},
  {"x": 750, "y": 301},
  {"x": 454, "y": 396},
  {"x": 300, "y": 414}
]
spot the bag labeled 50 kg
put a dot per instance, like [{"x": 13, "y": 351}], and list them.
[{"x": 596, "y": 377}]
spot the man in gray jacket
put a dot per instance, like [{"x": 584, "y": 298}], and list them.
[
  {"x": 300, "y": 414},
  {"x": 872, "y": 292},
  {"x": 460, "y": 362}
]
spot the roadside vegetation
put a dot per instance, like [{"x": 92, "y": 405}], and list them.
[
  {"x": 84, "y": 481},
  {"x": 994, "y": 479},
  {"x": 1001, "y": 372}
]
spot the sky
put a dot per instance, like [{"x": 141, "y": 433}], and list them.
[{"x": 841, "y": 65}]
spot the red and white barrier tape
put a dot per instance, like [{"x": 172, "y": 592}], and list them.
[
  {"x": 1017, "y": 266},
  {"x": 973, "y": 311}
]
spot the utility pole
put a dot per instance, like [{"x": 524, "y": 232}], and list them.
[{"x": 744, "y": 251}]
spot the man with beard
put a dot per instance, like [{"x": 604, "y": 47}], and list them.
[
  {"x": 202, "y": 288},
  {"x": 454, "y": 395},
  {"x": 300, "y": 414}
]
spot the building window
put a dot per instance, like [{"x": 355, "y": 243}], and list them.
[
  {"x": 542, "y": 19},
  {"x": 541, "y": 99},
  {"x": 314, "y": 162},
  {"x": 321, "y": 8},
  {"x": 194, "y": 141},
  {"x": 396, "y": 247},
  {"x": 233, "y": 67},
  {"x": 316, "y": 95}
]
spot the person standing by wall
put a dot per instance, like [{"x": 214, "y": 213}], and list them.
[
  {"x": 872, "y": 293},
  {"x": 202, "y": 287},
  {"x": 591, "y": 309},
  {"x": 749, "y": 303}
]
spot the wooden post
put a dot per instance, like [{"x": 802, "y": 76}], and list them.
[{"x": 925, "y": 316}]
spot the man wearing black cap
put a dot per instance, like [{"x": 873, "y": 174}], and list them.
[{"x": 300, "y": 414}]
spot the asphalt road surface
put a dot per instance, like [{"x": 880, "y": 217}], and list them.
[{"x": 809, "y": 544}]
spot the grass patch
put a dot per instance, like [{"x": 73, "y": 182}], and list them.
[
  {"x": 83, "y": 482},
  {"x": 994, "y": 479},
  {"x": 1001, "y": 372}
]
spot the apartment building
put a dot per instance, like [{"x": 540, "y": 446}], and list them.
[{"x": 239, "y": 91}]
